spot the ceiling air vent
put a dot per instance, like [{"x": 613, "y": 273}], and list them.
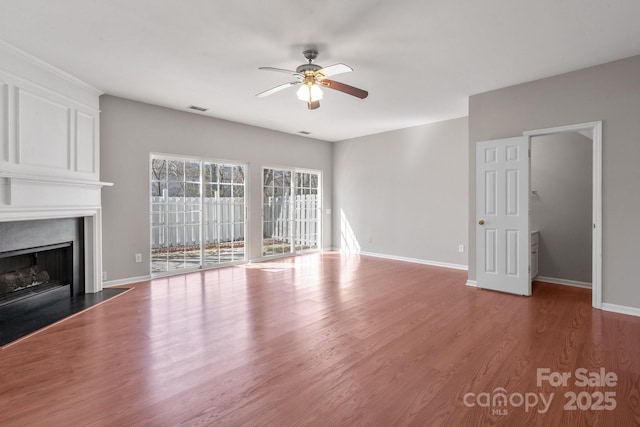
[
  {"x": 304, "y": 132},
  {"x": 195, "y": 107}
]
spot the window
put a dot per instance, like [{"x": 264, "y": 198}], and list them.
[
  {"x": 197, "y": 213},
  {"x": 291, "y": 211}
]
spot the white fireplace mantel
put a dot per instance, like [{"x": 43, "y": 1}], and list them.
[{"x": 24, "y": 197}]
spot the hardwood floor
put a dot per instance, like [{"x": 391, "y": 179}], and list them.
[{"x": 324, "y": 340}]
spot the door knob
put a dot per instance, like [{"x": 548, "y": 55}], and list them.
[{"x": 481, "y": 222}]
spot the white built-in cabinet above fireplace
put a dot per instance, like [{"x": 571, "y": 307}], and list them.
[
  {"x": 50, "y": 149},
  {"x": 49, "y": 135}
]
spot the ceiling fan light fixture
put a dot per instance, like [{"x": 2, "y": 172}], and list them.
[
  {"x": 310, "y": 77},
  {"x": 309, "y": 93}
]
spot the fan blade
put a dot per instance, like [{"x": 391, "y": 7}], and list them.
[
  {"x": 276, "y": 89},
  {"x": 332, "y": 84},
  {"x": 332, "y": 70},
  {"x": 313, "y": 105},
  {"x": 281, "y": 70}
]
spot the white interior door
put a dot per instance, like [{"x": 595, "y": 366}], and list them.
[{"x": 502, "y": 209}]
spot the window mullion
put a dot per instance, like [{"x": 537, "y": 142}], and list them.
[
  {"x": 201, "y": 215},
  {"x": 232, "y": 207},
  {"x": 294, "y": 211}
]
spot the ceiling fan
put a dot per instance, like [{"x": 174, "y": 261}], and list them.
[{"x": 313, "y": 77}]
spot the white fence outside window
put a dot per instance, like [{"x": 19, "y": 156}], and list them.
[
  {"x": 183, "y": 213},
  {"x": 280, "y": 215}
]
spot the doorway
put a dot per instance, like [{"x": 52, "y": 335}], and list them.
[
  {"x": 572, "y": 243},
  {"x": 291, "y": 220},
  {"x": 503, "y": 233}
]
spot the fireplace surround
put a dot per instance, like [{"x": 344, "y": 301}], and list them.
[
  {"x": 41, "y": 256},
  {"x": 22, "y": 229}
]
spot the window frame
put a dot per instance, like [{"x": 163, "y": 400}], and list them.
[
  {"x": 293, "y": 188},
  {"x": 203, "y": 265}
]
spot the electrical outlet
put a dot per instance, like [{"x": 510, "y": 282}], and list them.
[
  {"x": 104, "y": 276},
  {"x": 138, "y": 257},
  {"x": 460, "y": 248}
]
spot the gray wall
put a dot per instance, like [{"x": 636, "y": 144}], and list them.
[
  {"x": 561, "y": 171},
  {"x": 404, "y": 193},
  {"x": 130, "y": 131},
  {"x": 608, "y": 92}
]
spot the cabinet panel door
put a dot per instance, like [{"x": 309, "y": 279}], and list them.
[{"x": 43, "y": 131}]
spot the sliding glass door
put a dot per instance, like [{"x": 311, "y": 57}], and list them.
[
  {"x": 307, "y": 211},
  {"x": 224, "y": 213},
  {"x": 291, "y": 211},
  {"x": 197, "y": 213}
]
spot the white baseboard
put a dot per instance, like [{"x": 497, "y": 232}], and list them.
[
  {"x": 416, "y": 260},
  {"x": 564, "y": 282},
  {"x": 631, "y": 311},
  {"x": 472, "y": 283},
  {"x": 126, "y": 281}
]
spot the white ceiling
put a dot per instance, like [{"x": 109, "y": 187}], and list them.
[{"x": 419, "y": 59}]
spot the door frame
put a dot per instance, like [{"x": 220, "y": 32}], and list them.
[
  {"x": 596, "y": 236},
  {"x": 293, "y": 171}
]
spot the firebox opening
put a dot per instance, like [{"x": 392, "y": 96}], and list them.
[{"x": 32, "y": 271}]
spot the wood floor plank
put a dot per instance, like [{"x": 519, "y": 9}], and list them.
[{"x": 322, "y": 339}]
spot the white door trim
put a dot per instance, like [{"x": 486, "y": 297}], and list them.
[{"x": 596, "y": 257}]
